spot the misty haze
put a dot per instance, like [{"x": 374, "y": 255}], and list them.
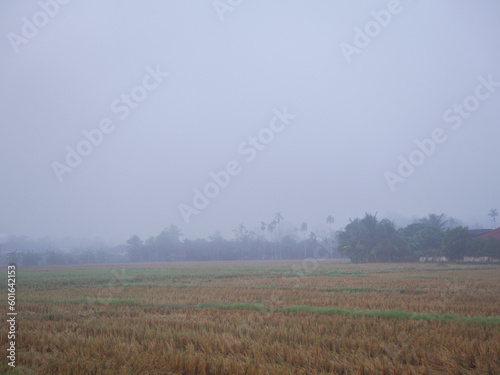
[{"x": 181, "y": 180}]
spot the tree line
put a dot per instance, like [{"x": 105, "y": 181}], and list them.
[
  {"x": 371, "y": 240},
  {"x": 366, "y": 239},
  {"x": 272, "y": 243}
]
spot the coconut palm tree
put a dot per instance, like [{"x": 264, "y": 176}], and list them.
[
  {"x": 279, "y": 218},
  {"x": 263, "y": 227},
  {"x": 270, "y": 228},
  {"x": 330, "y": 221},
  {"x": 303, "y": 228},
  {"x": 437, "y": 221},
  {"x": 493, "y": 214}
]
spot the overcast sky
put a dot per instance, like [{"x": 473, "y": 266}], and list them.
[{"x": 354, "y": 84}]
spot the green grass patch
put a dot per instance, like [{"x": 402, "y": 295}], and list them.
[
  {"x": 468, "y": 268},
  {"x": 121, "y": 302},
  {"x": 392, "y": 314},
  {"x": 100, "y": 301},
  {"x": 238, "y": 306},
  {"x": 126, "y": 276},
  {"x": 428, "y": 277},
  {"x": 343, "y": 274},
  {"x": 349, "y": 289}
]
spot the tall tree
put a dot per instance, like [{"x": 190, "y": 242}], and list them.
[
  {"x": 493, "y": 214},
  {"x": 279, "y": 218},
  {"x": 134, "y": 248},
  {"x": 270, "y": 228},
  {"x": 330, "y": 221},
  {"x": 167, "y": 244},
  {"x": 435, "y": 220},
  {"x": 456, "y": 242},
  {"x": 263, "y": 227},
  {"x": 452, "y": 222},
  {"x": 174, "y": 232},
  {"x": 244, "y": 238},
  {"x": 303, "y": 228},
  {"x": 423, "y": 239},
  {"x": 368, "y": 240}
]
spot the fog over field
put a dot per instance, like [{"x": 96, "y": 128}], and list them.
[{"x": 121, "y": 118}]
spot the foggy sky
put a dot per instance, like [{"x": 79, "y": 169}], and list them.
[{"x": 354, "y": 114}]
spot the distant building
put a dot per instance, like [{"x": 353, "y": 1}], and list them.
[
  {"x": 433, "y": 259},
  {"x": 479, "y": 260},
  {"x": 478, "y": 232},
  {"x": 495, "y": 233}
]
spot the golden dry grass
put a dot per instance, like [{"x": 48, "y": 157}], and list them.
[{"x": 258, "y": 318}]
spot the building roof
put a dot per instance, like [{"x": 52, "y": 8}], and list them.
[
  {"x": 492, "y": 233},
  {"x": 478, "y": 232}
]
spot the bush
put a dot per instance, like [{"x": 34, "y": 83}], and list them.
[
  {"x": 31, "y": 258},
  {"x": 55, "y": 258},
  {"x": 423, "y": 239},
  {"x": 456, "y": 243},
  {"x": 491, "y": 248},
  {"x": 369, "y": 240}
]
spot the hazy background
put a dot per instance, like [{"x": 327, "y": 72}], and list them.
[{"x": 226, "y": 77}]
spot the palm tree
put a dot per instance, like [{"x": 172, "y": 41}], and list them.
[
  {"x": 493, "y": 214},
  {"x": 303, "y": 228},
  {"x": 435, "y": 220},
  {"x": 174, "y": 232},
  {"x": 270, "y": 228},
  {"x": 263, "y": 227},
  {"x": 312, "y": 237},
  {"x": 330, "y": 221},
  {"x": 278, "y": 218}
]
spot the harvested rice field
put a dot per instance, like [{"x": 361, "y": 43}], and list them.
[{"x": 314, "y": 317}]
